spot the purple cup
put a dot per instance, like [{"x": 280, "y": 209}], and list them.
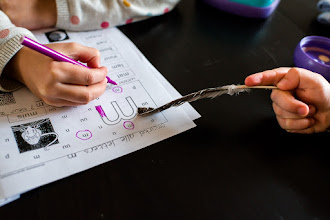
[
  {"x": 313, "y": 53},
  {"x": 244, "y": 10}
]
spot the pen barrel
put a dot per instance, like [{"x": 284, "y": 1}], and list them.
[{"x": 48, "y": 51}]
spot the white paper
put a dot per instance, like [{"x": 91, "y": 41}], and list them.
[
  {"x": 191, "y": 112},
  {"x": 40, "y": 143},
  {"x": 8, "y": 200}
]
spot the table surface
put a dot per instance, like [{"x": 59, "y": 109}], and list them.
[{"x": 237, "y": 163}]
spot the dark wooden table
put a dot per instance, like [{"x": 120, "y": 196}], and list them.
[{"x": 237, "y": 163}]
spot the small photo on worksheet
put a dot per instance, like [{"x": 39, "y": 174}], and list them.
[
  {"x": 35, "y": 135},
  {"x": 57, "y": 35}
]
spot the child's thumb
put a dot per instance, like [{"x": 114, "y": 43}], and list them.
[{"x": 291, "y": 80}]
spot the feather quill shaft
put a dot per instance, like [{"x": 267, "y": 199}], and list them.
[{"x": 202, "y": 94}]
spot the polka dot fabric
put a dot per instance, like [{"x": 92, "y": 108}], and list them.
[
  {"x": 126, "y": 3},
  {"x": 84, "y": 15},
  {"x": 105, "y": 24},
  {"x": 75, "y": 20},
  {"x": 129, "y": 21},
  {"x": 4, "y": 33}
]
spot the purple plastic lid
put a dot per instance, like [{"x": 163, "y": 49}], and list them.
[
  {"x": 313, "y": 53},
  {"x": 243, "y": 10}
]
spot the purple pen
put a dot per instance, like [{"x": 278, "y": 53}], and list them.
[{"x": 53, "y": 54}]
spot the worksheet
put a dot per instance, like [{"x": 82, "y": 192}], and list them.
[{"x": 41, "y": 143}]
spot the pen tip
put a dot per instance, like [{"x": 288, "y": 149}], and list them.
[{"x": 111, "y": 81}]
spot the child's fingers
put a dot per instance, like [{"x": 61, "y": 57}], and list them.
[
  {"x": 295, "y": 124},
  {"x": 60, "y": 102},
  {"x": 88, "y": 55},
  {"x": 302, "y": 79},
  {"x": 291, "y": 80},
  {"x": 286, "y": 101},
  {"x": 312, "y": 110},
  {"x": 268, "y": 77},
  {"x": 80, "y": 94},
  {"x": 76, "y": 51},
  {"x": 94, "y": 62},
  {"x": 77, "y": 75},
  {"x": 309, "y": 130},
  {"x": 83, "y": 76},
  {"x": 280, "y": 112}
]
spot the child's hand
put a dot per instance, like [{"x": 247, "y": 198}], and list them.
[
  {"x": 30, "y": 14},
  {"x": 302, "y": 103},
  {"x": 60, "y": 83}
]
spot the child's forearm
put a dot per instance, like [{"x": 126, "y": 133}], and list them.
[
  {"x": 98, "y": 14},
  {"x": 9, "y": 46}
]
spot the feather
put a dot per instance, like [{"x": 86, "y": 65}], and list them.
[{"x": 202, "y": 94}]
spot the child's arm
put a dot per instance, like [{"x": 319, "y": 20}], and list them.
[
  {"x": 60, "y": 83},
  {"x": 30, "y": 14},
  {"x": 9, "y": 46},
  {"x": 98, "y": 14},
  {"x": 302, "y": 103},
  {"x": 81, "y": 15},
  {"x": 56, "y": 83}
]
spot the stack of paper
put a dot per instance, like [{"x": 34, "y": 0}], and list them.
[{"x": 41, "y": 143}]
